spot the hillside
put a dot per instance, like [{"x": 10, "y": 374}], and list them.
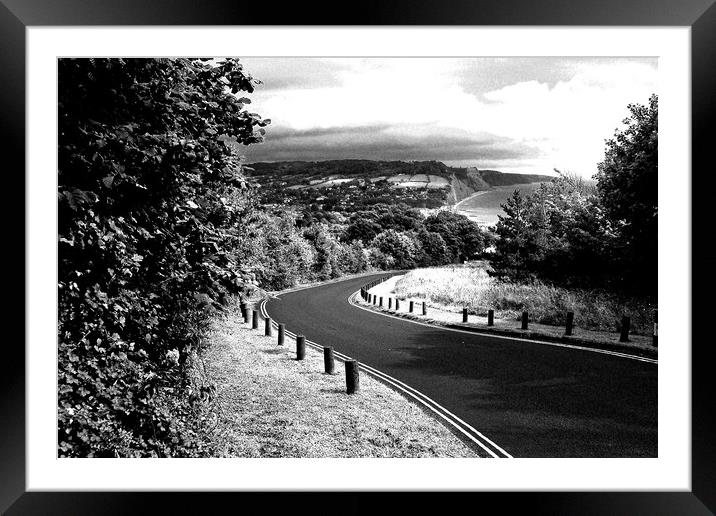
[{"x": 350, "y": 185}]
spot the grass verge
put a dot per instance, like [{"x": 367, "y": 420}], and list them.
[
  {"x": 506, "y": 322},
  {"x": 270, "y": 405},
  {"x": 470, "y": 286}
]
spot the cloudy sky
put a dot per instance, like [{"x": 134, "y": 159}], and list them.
[{"x": 510, "y": 114}]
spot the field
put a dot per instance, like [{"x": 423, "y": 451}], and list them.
[
  {"x": 470, "y": 286},
  {"x": 484, "y": 207}
]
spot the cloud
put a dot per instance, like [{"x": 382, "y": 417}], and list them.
[
  {"x": 294, "y": 72},
  {"x": 384, "y": 142},
  {"x": 541, "y": 112}
]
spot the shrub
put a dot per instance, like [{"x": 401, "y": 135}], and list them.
[
  {"x": 150, "y": 190},
  {"x": 401, "y": 247}
]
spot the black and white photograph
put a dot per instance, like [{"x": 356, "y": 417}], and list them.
[
  {"x": 357, "y": 257},
  {"x": 300, "y": 256}
]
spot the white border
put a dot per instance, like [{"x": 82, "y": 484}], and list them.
[{"x": 671, "y": 471}]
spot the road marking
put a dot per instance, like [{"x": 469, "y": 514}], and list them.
[
  {"x": 352, "y": 297},
  {"x": 453, "y": 420}
]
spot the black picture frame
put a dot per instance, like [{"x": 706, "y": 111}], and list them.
[{"x": 700, "y": 15}]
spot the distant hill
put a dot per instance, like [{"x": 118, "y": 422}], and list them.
[
  {"x": 495, "y": 178},
  {"x": 348, "y": 167},
  {"x": 482, "y": 179},
  {"x": 348, "y": 185}
]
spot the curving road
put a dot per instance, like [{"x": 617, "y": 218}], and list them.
[{"x": 533, "y": 400}]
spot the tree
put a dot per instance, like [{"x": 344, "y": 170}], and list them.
[
  {"x": 559, "y": 233},
  {"x": 435, "y": 251},
  {"x": 401, "y": 249},
  {"x": 150, "y": 191},
  {"x": 516, "y": 245},
  {"x": 463, "y": 237},
  {"x": 362, "y": 229},
  {"x": 627, "y": 182},
  {"x": 275, "y": 250}
]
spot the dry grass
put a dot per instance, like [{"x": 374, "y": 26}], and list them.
[
  {"x": 455, "y": 287},
  {"x": 271, "y": 405}
]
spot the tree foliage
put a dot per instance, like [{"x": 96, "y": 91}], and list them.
[
  {"x": 572, "y": 234},
  {"x": 149, "y": 190},
  {"x": 559, "y": 233},
  {"x": 627, "y": 182},
  {"x": 464, "y": 238},
  {"x": 401, "y": 250}
]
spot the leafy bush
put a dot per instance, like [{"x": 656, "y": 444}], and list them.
[
  {"x": 150, "y": 191},
  {"x": 401, "y": 248},
  {"x": 464, "y": 238},
  {"x": 275, "y": 250}
]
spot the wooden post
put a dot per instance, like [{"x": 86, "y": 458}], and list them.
[
  {"x": 425, "y": 310},
  {"x": 464, "y": 315},
  {"x": 328, "y": 360},
  {"x": 243, "y": 311},
  {"x": 300, "y": 347},
  {"x": 570, "y": 323},
  {"x": 281, "y": 333},
  {"x": 411, "y": 307},
  {"x": 255, "y": 320},
  {"x": 268, "y": 330},
  {"x": 397, "y": 304},
  {"x": 624, "y": 334},
  {"x": 352, "y": 379},
  {"x": 624, "y": 329},
  {"x": 524, "y": 320}
]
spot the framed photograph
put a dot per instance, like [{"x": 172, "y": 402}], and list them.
[{"x": 273, "y": 250}]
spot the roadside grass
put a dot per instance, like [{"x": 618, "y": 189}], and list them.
[
  {"x": 270, "y": 405},
  {"x": 455, "y": 287}
]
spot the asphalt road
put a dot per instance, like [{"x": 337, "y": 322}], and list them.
[{"x": 533, "y": 400}]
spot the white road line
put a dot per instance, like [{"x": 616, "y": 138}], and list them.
[
  {"x": 351, "y": 300},
  {"x": 418, "y": 396}
]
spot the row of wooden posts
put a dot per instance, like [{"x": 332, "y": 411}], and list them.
[
  {"x": 373, "y": 299},
  {"x": 352, "y": 377}
]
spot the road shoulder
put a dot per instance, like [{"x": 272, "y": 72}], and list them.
[{"x": 444, "y": 317}]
